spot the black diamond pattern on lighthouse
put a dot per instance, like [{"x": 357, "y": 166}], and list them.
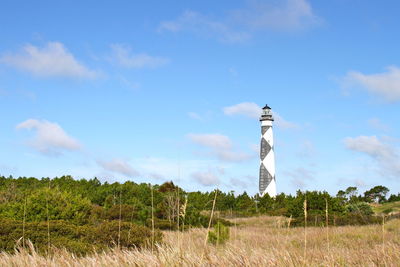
[
  {"x": 265, "y": 178},
  {"x": 264, "y": 129},
  {"x": 265, "y": 148}
]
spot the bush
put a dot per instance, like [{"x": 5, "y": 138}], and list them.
[
  {"x": 387, "y": 211},
  {"x": 357, "y": 219},
  {"x": 220, "y": 234},
  {"x": 360, "y": 208},
  {"x": 162, "y": 224},
  {"x": 337, "y": 220},
  {"x": 127, "y": 212},
  {"x": 76, "y": 239},
  {"x": 58, "y": 205}
]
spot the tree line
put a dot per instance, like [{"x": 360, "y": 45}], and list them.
[
  {"x": 91, "y": 204},
  {"x": 89, "y": 201}
]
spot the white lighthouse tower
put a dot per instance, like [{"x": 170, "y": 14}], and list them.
[{"x": 267, "y": 183}]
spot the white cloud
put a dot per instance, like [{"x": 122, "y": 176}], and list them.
[
  {"x": 171, "y": 169},
  {"x": 122, "y": 55},
  {"x": 206, "y": 178},
  {"x": 238, "y": 183},
  {"x": 252, "y": 110},
  {"x": 385, "y": 85},
  {"x": 282, "y": 123},
  {"x": 215, "y": 141},
  {"x": 370, "y": 145},
  {"x": 50, "y": 138},
  {"x": 233, "y": 156},
  {"x": 199, "y": 24},
  {"x": 300, "y": 177},
  {"x": 278, "y": 15},
  {"x": 359, "y": 183},
  {"x": 221, "y": 146},
  {"x": 118, "y": 166},
  {"x": 241, "y": 24},
  {"x": 157, "y": 176},
  {"x": 52, "y": 60},
  {"x": 386, "y": 155},
  {"x": 248, "y": 109},
  {"x": 131, "y": 85}
]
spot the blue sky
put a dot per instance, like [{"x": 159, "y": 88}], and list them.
[{"x": 158, "y": 90}]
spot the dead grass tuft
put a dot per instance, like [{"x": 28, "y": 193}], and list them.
[{"x": 259, "y": 241}]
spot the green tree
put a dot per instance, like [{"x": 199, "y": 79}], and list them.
[
  {"x": 60, "y": 206},
  {"x": 376, "y": 194}
]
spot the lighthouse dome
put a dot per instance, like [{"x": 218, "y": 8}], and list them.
[{"x": 266, "y": 107}]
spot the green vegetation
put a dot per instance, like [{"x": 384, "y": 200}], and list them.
[
  {"x": 75, "y": 238},
  {"x": 361, "y": 208},
  {"x": 87, "y": 215},
  {"x": 386, "y": 208},
  {"x": 220, "y": 234}
]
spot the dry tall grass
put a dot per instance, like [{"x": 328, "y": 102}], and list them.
[{"x": 262, "y": 241}]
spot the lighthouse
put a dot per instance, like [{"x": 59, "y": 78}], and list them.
[{"x": 267, "y": 182}]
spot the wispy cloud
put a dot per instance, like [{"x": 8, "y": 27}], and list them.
[
  {"x": 300, "y": 177},
  {"x": 252, "y": 110},
  {"x": 242, "y": 184},
  {"x": 248, "y": 109},
  {"x": 220, "y": 146},
  {"x": 307, "y": 149},
  {"x": 206, "y": 178},
  {"x": 201, "y": 25},
  {"x": 195, "y": 116},
  {"x": 122, "y": 55},
  {"x": 50, "y": 138},
  {"x": 286, "y": 15},
  {"x": 370, "y": 145},
  {"x": 240, "y": 24},
  {"x": 284, "y": 124},
  {"x": 52, "y": 60},
  {"x": 118, "y": 166},
  {"x": 377, "y": 124},
  {"x": 215, "y": 141},
  {"x": 385, "y": 85},
  {"x": 385, "y": 154}
]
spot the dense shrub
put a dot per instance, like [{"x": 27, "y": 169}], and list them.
[
  {"x": 220, "y": 234},
  {"x": 360, "y": 208},
  {"x": 90, "y": 202},
  {"x": 162, "y": 224},
  {"x": 77, "y": 239},
  {"x": 58, "y": 205},
  {"x": 357, "y": 219},
  {"x": 337, "y": 220}
]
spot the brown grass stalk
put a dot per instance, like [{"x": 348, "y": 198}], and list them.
[
  {"x": 48, "y": 220},
  {"x": 211, "y": 217},
  {"x": 152, "y": 219},
  {"x": 119, "y": 219},
  {"x": 260, "y": 242},
  {"x": 327, "y": 223},
  {"x": 305, "y": 230},
  {"x": 23, "y": 223}
]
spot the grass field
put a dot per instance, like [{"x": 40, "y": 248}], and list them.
[
  {"x": 390, "y": 207},
  {"x": 258, "y": 241}
]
